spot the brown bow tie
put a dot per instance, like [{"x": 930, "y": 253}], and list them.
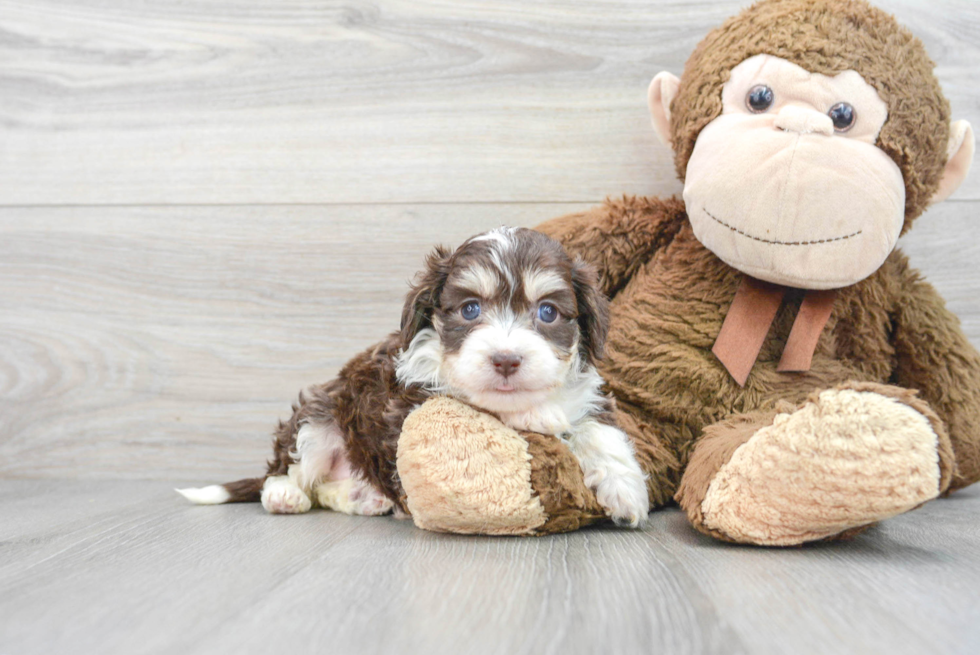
[{"x": 747, "y": 323}]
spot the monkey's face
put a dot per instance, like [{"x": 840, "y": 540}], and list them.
[{"x": 787, "y": 184}]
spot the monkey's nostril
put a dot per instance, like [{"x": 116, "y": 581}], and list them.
[
  {"x": 506, "y": 363},
  {"x": 803, "y": 121}
]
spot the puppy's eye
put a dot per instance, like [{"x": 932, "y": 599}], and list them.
[
  {"x": 470, "y": 310},
  {"x": 547, "y": 312}
]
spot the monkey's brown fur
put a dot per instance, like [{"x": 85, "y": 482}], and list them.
[
  {"x": 889, "y": 334},
  {"x": 892, "y": 328}
]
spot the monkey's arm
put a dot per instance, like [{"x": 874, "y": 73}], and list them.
[
  {"x": 935, "y": 358},
  {"x": 618, "y": 236}
]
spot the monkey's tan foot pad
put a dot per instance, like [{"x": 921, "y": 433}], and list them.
[
  {"x": 845, "y": 459},
  {"x": 464, "y": 471}
]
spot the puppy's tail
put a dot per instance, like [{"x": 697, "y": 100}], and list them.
[{"x": 248, "y": 490}]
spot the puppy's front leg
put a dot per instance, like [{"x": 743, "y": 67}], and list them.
[
  {"x": 611, "y": 469},
  {"x": 545, "y": 419}
]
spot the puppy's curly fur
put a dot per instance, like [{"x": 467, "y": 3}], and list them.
[{"x": 508, "y": 323}]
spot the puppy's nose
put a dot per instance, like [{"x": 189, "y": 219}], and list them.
[{"x": 506, "y": 363}]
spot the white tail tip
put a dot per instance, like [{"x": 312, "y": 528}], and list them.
[{"x": 213, "y": 495}]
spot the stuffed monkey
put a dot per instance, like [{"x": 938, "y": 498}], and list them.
[{"x": 784, "y": 375}]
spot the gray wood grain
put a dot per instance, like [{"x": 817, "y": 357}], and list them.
[
  {"x": 287, "y": 101},
  {"x": 163, "y": 343},
  {"x": 278, "y": 169},
  {"x": 130, "y": 337},
  {"x": 128, "y": 567}
]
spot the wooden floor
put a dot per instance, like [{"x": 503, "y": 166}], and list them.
[
  {"x": 207, "y": 205},
  {"x": 122, "y": 567}
]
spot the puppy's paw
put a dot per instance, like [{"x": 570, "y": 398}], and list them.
[
  {"x": 623, "y": 494},
  {"x": 280, "y": 495},
  {"x": 544, "y": 420},
  {"x": 352, "y": 496},
  {"x": 368, "y": 501}
]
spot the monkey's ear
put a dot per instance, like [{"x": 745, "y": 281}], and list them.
[
  {"x": 593, "y": 311},
  {"x": 423, "y": 298},
  {"x": 959, "y": 157},
  {"x": 663, "y": 90}
]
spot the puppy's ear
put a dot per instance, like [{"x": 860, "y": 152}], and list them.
[
  {"x": 423, "y": 298},
  {"x": 593, "y": 311}
]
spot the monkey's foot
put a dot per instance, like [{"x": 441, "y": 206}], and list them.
[{"x": 846, "y": 458}]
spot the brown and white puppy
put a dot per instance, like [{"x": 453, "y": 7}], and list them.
[{"x": 508, "y": 323}]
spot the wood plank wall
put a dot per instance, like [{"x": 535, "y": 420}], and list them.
[{"x": 206, "y": 205}]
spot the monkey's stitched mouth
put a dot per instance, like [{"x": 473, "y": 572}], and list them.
[{"x": 777, "y": 243}]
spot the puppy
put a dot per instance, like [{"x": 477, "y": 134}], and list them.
[{"x": 507, "y": 323}]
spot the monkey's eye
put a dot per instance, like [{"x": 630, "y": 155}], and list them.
[
  {"x": 547, "y": 312},
  {"x": 759, "y": 99},
  {"x": 470, "y": 310},
  {"x": 843, "y": 116}
]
